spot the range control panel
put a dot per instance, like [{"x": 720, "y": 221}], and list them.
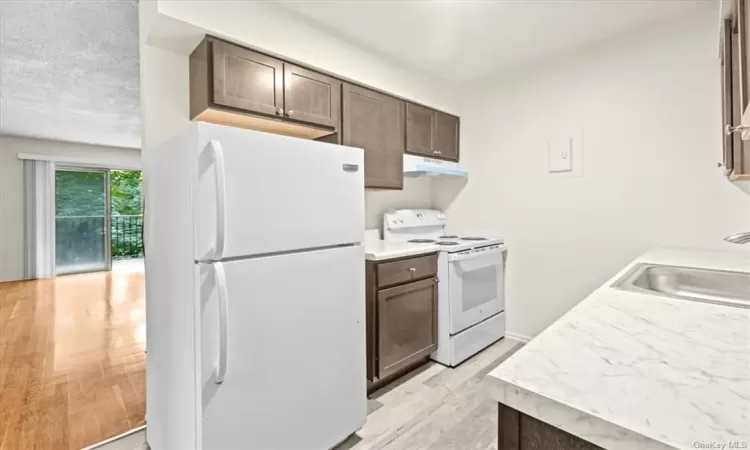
[{"x": 413, "y": 218}]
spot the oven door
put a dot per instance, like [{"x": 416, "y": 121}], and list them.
[{"x": 476, "y": 286}]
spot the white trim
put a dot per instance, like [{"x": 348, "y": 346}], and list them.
[
  {"x": 115, "y": 438},
  {"x": 517, "y": 337},
  {"x": 106, "y": 163}
]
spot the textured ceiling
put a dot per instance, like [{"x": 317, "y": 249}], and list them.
[
  {"x": 465, "y": 40},
  {"x": 69, "y": 71}
]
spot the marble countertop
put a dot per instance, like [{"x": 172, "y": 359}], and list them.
[
  {"x": 634, "y": 371},
  {"x": 378, "y": 250}
]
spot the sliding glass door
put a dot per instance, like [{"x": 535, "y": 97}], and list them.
[{"x": 82, "y": 220}]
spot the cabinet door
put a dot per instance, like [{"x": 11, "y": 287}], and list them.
[
  {"x": 407, "y": 325},
  {"x": 311, "y": 97},
  {"x": 741, "y": 58},
  {"x": 247, "y": 80},
  {"x": 446, "y": 136},
  {"x": 420, "y": 123},
  {"x": 726, "y": 95},
  {"x": 739, "y": 147},
  {"x": 375, "y": 122}
]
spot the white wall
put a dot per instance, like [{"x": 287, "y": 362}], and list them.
[
  {"x": 275, "y": 29},
  {"x": 12, "y": 230},
  {"x": 416, "y": 195},
  {"x": 649, "y": 106}
]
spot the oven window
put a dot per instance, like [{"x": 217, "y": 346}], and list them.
[{"x": 478, "y": 287}]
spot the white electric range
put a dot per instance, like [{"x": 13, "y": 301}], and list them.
[{"x": 471, "y": 287}]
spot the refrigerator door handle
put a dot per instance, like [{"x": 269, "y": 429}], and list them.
[
  {"x": 221, "y": 284},
  {"x": 217, "y": 154}
]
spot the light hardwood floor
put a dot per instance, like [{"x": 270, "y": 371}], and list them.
[
  {"x": 434, "y": 408},
  {"x": 72, "y": 359}
]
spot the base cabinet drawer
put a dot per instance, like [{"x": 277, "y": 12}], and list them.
[{"x": 406, "y": 270}]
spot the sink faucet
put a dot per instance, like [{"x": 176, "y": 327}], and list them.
[{"x": 739, "y": 238}]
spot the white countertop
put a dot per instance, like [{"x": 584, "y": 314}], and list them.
[
  {"x": 634, "y": 371},
  {"x": 378, "y": 250}
]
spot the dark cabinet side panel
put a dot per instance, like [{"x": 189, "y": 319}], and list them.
[
  {"x": 518, "y": 431},
  {"x": 508, "y": 428},
  {"x": 311, "y": 97},
  {"x": 538, "y": 435},
  {"x": 741, "y": 55},
  {"x": 247, "y": 80},
  {"x": 739, "y": 147},
  {"x": 371, "y": 298},
  {"x": 726, "y": 95},
  {"x": 741, "y": 26},
  {"x": 407, "y": 325},
  {"x": 420, "y": 123},
  {"x": 375, "y": 122}
]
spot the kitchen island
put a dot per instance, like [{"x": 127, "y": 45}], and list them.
[{"x": 627, "y": 370}]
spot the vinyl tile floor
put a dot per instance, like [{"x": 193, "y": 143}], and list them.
[{"x": 433, "y": 407}]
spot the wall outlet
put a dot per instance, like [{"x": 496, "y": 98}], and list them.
[{"x": 560, "y": 155}]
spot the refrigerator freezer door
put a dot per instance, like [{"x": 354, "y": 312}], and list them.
[
  {"x": 295, "y": 353},
  {"x": 260, "y": 193}
]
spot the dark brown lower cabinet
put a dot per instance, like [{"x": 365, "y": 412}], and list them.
[
  {"x": 517, "y": 431},
  {"x": 407, "y": 324},
  {"x": 402, "y": 318}
]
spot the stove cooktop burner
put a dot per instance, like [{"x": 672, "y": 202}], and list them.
[
  {"x": 421, "y": 241},
  {"x": 473, "y": 238},
  {"x": 447, "y": 243},
  {"x": 453, "y": 236}
]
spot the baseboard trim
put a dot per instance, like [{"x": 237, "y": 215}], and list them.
[
  {"x": 115, "y": 438},
  {"x": 517, "y": 337}
]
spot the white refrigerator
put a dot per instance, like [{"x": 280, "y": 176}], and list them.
[{"x": 255, "y": 295}]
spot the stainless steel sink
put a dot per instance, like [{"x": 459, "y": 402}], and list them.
[{"x": 687, "y": 283}]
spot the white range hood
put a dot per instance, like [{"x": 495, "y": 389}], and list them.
[{"x": 421, "y": 166}]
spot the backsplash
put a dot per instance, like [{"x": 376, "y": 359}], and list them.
[{"x": 416, "y": 194}]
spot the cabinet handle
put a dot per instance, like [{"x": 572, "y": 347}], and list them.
[
  {"x": 289, "y": 114},
  {"x": 280, "y": 111},
  {"x": 730, "y": 129}
]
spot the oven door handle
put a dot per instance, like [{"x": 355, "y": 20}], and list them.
[{"x": 455, "y": 257}]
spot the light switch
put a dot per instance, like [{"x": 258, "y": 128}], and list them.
[{"x": 560, "y": 155}]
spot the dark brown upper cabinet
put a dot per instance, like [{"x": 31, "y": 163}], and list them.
[
  {"x": 236, "y": 86},
  {"x": 735, "y": 56},
  {"x": 232, "y": 85},
  {"x": 446, "y": 136},
  {"x": 431, "y": 133},
  {"x": 420, "y": 123},
  {"x": 375, "y": 122},
  {"x": 247, "y": 80},
  {"x": 311, "y": 97}
]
